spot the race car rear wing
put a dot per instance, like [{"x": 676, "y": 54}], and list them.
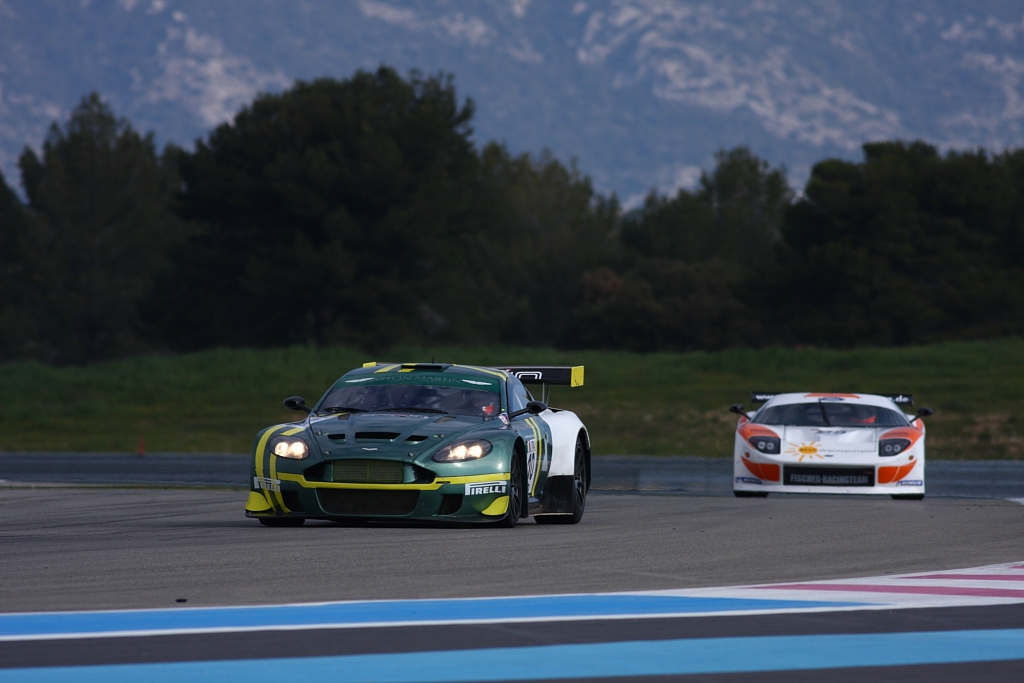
[
  {"x": 898, "y": 399},
  {"x": 547, "y": 376}
]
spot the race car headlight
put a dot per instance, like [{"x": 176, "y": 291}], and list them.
[
  {"x": 463, "y": 451},
  {"x": 289, "y": 447},
  {"x": 887, "y": 447},
  {"x": 766, "y": 444}
]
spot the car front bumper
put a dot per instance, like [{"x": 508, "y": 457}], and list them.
[
  {"x": 879, "y": 476},
  {"x": 473, "y": 498}
]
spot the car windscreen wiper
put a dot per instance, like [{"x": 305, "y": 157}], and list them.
[
  {"x": 420, "y": 410},
  {"x": 340, "y": 409},
  {"x": 824, "y": 415}
]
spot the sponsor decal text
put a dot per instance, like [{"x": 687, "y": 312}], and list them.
[
  {"x": 479, "y": 488},
  {"x": 266, "y": 483}
]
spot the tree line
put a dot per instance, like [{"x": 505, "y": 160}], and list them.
[{"x": 361, "y": 212}]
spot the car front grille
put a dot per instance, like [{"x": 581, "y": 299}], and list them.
[
  {"x": 367, "y": 503},
  {"x": 796, "y": 475},
  {"x": 368, "y": 471}
]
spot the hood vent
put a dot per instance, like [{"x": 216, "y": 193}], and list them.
[
  {"x": 376, "y": 436},
  {"x": 336, "y": 437},
  {"x": 416, "y": 438},
  {"x": 446, "y": 418}
]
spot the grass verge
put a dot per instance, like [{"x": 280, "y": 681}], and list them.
[{"x": 657, "y": 404}]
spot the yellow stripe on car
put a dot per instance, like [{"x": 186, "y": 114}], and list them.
[
  {"x": 386, "y": 368},
  {"x": 498, "y": 507},
  {"x": 433, "y": 485},
  {"x": 273, "y": 470},
  {"x": 273, "y": 475},
  {"x": 261, "y": 451},
  {"x": 539, "y": 436},
  {"x": 497, "y": 373},
  {"x": 257, "y": 502}
]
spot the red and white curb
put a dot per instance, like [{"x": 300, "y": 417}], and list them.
[{"x": 994, "y": 584}]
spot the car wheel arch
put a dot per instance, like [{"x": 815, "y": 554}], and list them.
[{"x": 585, "y": 438}]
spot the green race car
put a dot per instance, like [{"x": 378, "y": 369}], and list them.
[{"x": 426, "y": 441}]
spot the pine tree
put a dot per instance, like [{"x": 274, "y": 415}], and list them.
[{"x": 97, "y": 230}]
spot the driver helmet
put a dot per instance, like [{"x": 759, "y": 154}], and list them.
[{"x": 484, "y": 403}]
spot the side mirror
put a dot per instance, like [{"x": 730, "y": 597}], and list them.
[
  {"x": 925, "y": 412},
  {"x": 736, "y": 408},
  {"x": 532, "y": 407},
  {"x": 297, "y": 403}
]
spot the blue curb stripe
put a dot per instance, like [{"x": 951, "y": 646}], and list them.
[
  {"x": 640, "y": 658},
  {"x": 386, "y": 611}
]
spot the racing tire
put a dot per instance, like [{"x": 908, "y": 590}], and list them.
[
  {"x": 579, "y": 491},
  {"x": 908, "y": 496},
  {"x": 282, "y": 521},
  {"x": 750, "y": 494},
  {"x": 516, "y": 486}
]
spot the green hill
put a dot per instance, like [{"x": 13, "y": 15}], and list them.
[{"x": 660, "y": 403}]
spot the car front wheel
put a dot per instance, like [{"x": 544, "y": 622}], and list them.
[{"x": 515, "y": 493}]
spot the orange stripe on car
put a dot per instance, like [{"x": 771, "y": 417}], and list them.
[
  {"x": 909, "y": 433},
  {"x": 761, "y": 470},
  {"x": 887, "y": 475},
  {"x": 750, "y": 430}
]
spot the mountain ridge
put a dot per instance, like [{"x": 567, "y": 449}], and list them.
[{"x": 641, "y": 92}]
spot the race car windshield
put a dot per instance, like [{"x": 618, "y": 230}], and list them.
[
  {"x": 423, "y": 398},
  {"x": 827, "y": 414}
]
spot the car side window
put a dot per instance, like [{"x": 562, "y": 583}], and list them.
[{"x": 517, "y": 395}]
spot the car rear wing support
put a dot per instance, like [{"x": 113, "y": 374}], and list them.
[{"x": 547, "y": 376}]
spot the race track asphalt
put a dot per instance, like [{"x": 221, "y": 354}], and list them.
[
  {"x": 106, "y": 548},
  {"x": 90, "y": 548}
]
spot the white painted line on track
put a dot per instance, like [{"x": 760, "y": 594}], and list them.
[
  {"x": 987, "y": 585},
  {"x": 438, "y": 622}
]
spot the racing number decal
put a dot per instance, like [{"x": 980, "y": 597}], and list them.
[
  {"x": 531, "y": 462},
  {"x": 538, "y": 455},
  {"x": 538, "y": 452}
]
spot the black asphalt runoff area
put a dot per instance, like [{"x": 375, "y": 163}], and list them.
[{"x": 647, "y": 474}]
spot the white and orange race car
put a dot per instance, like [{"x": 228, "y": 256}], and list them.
[{"x": 829, "y": 443}]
